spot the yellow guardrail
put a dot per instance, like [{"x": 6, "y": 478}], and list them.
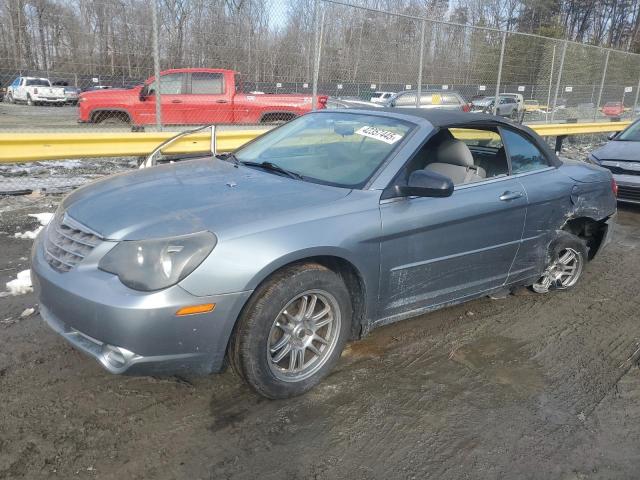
[{"x": 27, "y": 147}]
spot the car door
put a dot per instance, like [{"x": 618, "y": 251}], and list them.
[
  {"x": 438, "y": 250},
  {"x": 548, "y": 195},
  {"x": 19, "y": 90},
  {"x": 172, "y": 88},
  {"x": 208, "y": 100}
]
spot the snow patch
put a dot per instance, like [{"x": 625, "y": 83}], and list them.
[
  {"x": 21, "y": 284},
  {"x": 44, "y": 218}
]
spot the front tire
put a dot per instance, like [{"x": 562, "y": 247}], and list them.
[
  {"x": 567, "y": 258},
  {"x": 292, "y": 331}
]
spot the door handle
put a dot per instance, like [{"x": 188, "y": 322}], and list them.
[
  {"x": 506, "y": 196},
  {"x": 176, "y": 101},
  {"x": 222, "y": 101}
]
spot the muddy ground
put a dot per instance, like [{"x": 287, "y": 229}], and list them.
[{"x": 540, "y": 387}]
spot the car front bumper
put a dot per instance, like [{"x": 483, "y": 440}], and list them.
[
  {"x": 628, "y": 188},
  {"x": 129, "y": 331}
]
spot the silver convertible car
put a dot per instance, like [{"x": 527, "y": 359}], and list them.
[{"x": 335, "y": 223}]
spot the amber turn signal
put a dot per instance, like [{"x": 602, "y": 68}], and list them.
[{"x": 194, "y": 309}]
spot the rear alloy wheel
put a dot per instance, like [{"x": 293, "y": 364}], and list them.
[
  {"x": 568, "y": 257},
  {"x": 30, "y": 101},
  {"x": 292, "y": 331}
]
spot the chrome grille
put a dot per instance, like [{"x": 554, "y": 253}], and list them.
[{"x": 67, "y": 243}]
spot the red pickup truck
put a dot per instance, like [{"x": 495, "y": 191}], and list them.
[{"x": 196, "y": 96}]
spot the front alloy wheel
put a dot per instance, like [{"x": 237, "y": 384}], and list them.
[
  {"x": 292, "y": 330},
  {"x": 303, "y": 335}
]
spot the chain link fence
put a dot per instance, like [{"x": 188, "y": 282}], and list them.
[{"x": 267, "y": 61}]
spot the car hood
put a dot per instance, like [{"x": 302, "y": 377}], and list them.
[
  {"x": 191, "y": 196},
  {"x": 618, "y": 150}
]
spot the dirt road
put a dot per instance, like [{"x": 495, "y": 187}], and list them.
[{"x": 536, "y": 387}]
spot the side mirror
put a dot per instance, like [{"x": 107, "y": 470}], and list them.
[
  {"x": 144, "y": 93},
  {"x": 423, "y": 183}
]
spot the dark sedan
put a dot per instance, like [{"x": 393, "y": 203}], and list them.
[{"x": 622, "y": 157}]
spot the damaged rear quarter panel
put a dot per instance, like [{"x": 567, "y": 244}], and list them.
[{"x": 555, "y": 196}]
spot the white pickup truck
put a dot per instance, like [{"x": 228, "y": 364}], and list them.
[{"x": 35, "y": 91}]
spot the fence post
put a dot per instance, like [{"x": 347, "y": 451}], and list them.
[
  {"x": 635, "y": 102},
  {"x": 318, "y": 53},
  {"x": 555, "y": 97},
  {"x": 553, "y": 61},
  {"x": 156, "y": 62},
  {"x": 419, "y": 93},
  {"x": 604, "y": 75},
  {"x": 496, "y": 99}
]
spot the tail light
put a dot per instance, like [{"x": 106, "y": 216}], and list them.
[
  {"x": 35, "y": 90},
  {"x": 466, "y": 107},
  {"x": 614, "y": 187},
  {"x": 322, "y": 102}
]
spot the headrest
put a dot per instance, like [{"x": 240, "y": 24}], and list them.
[{"x": 455, "y": 152}]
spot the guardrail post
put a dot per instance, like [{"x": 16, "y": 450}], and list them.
[
  {"x": 496, "y": 99},
  {"x": 553, "y": 61},
  {"x": 559, "y": 79},
  {"x": 318, "y": 34},
  {"x": 419, "y": 93},
  {"x": 156, "y": 62},
  {"x": 604, "y": 75}
]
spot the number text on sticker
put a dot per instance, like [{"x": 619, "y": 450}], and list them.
[{"x": 378, "y": 134}]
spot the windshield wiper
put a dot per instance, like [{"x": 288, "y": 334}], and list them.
[{"x": 272, "y": 167}]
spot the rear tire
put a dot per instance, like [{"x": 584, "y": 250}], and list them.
[
  {"x": 284, "y": 344},
  {"x": 30, "y": 101},
  {"x": 566, "y": 261}
]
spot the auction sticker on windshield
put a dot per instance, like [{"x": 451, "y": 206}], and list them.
[{"x": 378, "y": 134}]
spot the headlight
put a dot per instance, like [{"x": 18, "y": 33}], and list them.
[{"x": 159, "y": 263}]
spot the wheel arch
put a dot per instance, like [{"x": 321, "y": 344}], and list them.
[
  {"x": 589, "y": 229},
  {"x": 336, "y": 260},
  {"x": 272, "y": 116},
  {"x": 100, "y": 113}
]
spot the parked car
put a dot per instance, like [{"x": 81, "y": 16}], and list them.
[
  {"x": 333, "y": 102},
  {"x": 621, "y": 155},
  {"x": 430, "y": 99},
  {"x": 507, "y": 106},
  {"x": 3, "y": 93},
  {"x": 192, "y": 96},
  {"x": 72, "y": 94},
  {"x": 35, "y": 91},
  {"x": 316, "y": 232},
  {"x": 531, "y": 106},
  {"x": 381, "y": 97},
  {"x": 518, "y": 98},
  {"x": 613, "y": 109}
]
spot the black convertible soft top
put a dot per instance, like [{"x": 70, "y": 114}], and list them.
[{"x": 445, "y": 118}]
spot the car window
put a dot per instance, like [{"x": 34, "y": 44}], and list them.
[
  {"x": 405, "y": 100},
  {"x": 487, "y": 150},
  {"x": 16, "y": 82},
  {"x": 170, "y": 84},
  {"x": 334, "y": 148},
  {"x": 37, "y": 82},
  {"x": 205, "y": 83},
  {"x": 631, "y": 134},
  {"x": 524, "y": 155},
  {"x": 450, "y": 99}
]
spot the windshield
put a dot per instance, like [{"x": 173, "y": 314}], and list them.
[
  {"x": 631, "y": 134},
  {"x": 341, "y": 149}
]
